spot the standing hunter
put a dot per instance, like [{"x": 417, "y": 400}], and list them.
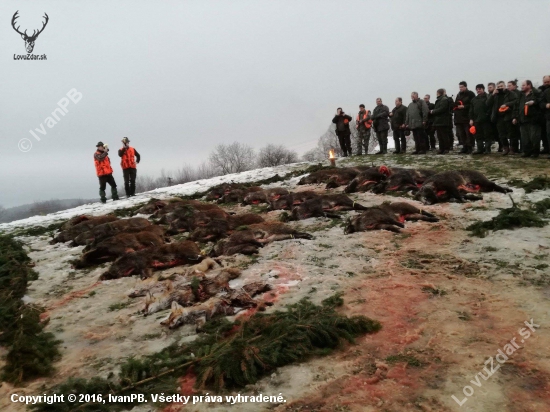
[
  {"x": 442, "y": 122},
  {"x": 380, "y": 116},
  {"x": 430, "y": 130},
  {"x": 104, "y": 171},
  {"x": 527, "y": 114},
  {"x": 398, "y": 116},
  {"x": 341, "y": 120},
  {"x": 363, "y": 124},
  {"x": 480, "y": 119},
  {"x": 545, "y": 106},
  {"x": 502, "y": 103},
  {"x": 129, "y": 157},
  {"x": 462, "y": 111},
  {"x": 416, "y": 120}
]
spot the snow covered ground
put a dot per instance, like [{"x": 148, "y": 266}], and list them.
[{"x": 184, "y": 189}]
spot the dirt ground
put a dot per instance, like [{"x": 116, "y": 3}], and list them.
[{"x": 447, "y": 303}]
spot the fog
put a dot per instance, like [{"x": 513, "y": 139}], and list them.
[{"x": 179, "y": 77}]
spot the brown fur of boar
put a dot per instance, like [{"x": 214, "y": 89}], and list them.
[
  {"x": 83, "y": 226},
  {"x": 248, "y": 241},
  {"x": 111, "y": 248},
  {"x": 265, "y": 196},
  {"x": 366, "y": 180},
  {"x": 406, "y": 212},
  {"x": 143, "y": 262},
  {"x": 374, "y": 218},
  {"x": 457, "y": 185},
  {"x": 336, "y": 176},
  {"x": 190, "y": 219},
  {"x": 100, "y": 232}
]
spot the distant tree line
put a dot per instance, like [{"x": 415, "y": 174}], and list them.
[{"x": 224, "y": 159}]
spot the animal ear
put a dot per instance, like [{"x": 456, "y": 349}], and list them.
[
  {"x": 149, "y": 297},
  {"x": 174, "y": 305}
]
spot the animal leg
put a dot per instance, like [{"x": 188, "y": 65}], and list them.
[{"x": 391, "y": 228}]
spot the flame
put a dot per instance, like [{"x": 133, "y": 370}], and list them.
[{"x": 331, "y": 154}]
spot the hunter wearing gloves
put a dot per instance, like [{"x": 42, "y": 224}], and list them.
[
  {"x": 104, "y": 172},
  {"x": 129, "y": 157}
]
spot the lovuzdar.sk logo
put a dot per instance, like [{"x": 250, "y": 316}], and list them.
[{"x": 29, "y": 39}]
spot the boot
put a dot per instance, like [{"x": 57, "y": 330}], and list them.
[
  {"x": 397, "y": 149},
  {"x": 404, "y": 147},
  {"x": 114, "y": 193},
  {"x": 480, "y": 148},
  {"x": 102, "y": 196},
  {"x": 488, "y": 148}
]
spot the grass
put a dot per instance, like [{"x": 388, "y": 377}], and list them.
[
  {"x": 31, "y": 352},
  {"x": 537, "y": 183},
  {"x": 40, "y": 230},
  {"x": 510, "y": 218},
  {"x": 226, "y": 355},
  {"x": 119, "y": 305}
]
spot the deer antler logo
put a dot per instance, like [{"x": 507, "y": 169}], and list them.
[{"x": 29, "y": 40}]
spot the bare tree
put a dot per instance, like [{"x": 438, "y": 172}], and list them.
[
  {"x": 273, "y": 155},
  {"x": 145, "y": 183},
  {"x": 232, "y": 158}
]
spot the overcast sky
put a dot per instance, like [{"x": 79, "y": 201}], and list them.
[{"x": 178, "y": 77}]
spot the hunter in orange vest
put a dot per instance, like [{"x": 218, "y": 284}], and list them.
[
  {"x": 104, "y": 171},
  {"x": 363, "y": 124},
  {"x": 128, "y": 159}
]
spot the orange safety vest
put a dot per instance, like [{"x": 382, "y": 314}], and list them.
[
  {"x": 128, "y": 160},
  {"x": 103, "y": 167},
  {"x": 368, "y": 123}
]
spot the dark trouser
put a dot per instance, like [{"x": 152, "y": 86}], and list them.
[
  {"x": 363, "y": 139},
  {"x": 530, "y": 138},
  {"x": 444, "y": 138},
  {"x": 420, "y": 140},
  {"x": 483, "y": 135},
  {"x": 400, "y": 140},
  {"x": 504, "y": 131},
  {"x": 345, "y": 143},
  {"x": 129, "y": 181},
  {"x": 382, "y": 137},
  {"x": 464, "y": 136},
  {"x": 103, "y": 180},
  {"x": 515, "y": 138},
  {"x": 543, "y": 134},
  {"x": 547, "y": 133},
  {"x": 496, "y": 137},
  {"x": 430, "y": 131}
]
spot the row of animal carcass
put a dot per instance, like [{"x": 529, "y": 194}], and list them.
[
  {"x": 107, "y": 238},
  {"x": 198, "y": 293},
  {"x": 429, "y": 186}
]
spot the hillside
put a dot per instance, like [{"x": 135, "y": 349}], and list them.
[{"x": 447, "y": 301}]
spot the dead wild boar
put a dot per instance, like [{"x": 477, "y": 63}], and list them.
[
  {"x": 248, "y": 241},
  {"x": 457, "y": 185},
  {"x": 404, "y": 211},
  {"x": 374, "y": 218},
  {"x": 311, "y": 208},
  {"x": 237, "y": 195},
  {"x": 336, "y": 176},
  {"x": 219, "y": 228},
  {"x": 187, "y": 220},
  {"x": 289, "y": 201},
  {"x": 111, "y": 248},
  {"x": 264, "y": 196},
  {"x": 75, "y": 221},
  {"x": 184, "y": 208},
  {"x": 143, "y": 262},
  {"x": 100, "y": 232},
  {"x": 366, "y": 180},
  {"x": 398, "y": 181},
  {"x": 339, "y": 201},
  {"x": 81, "y": 227}
]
